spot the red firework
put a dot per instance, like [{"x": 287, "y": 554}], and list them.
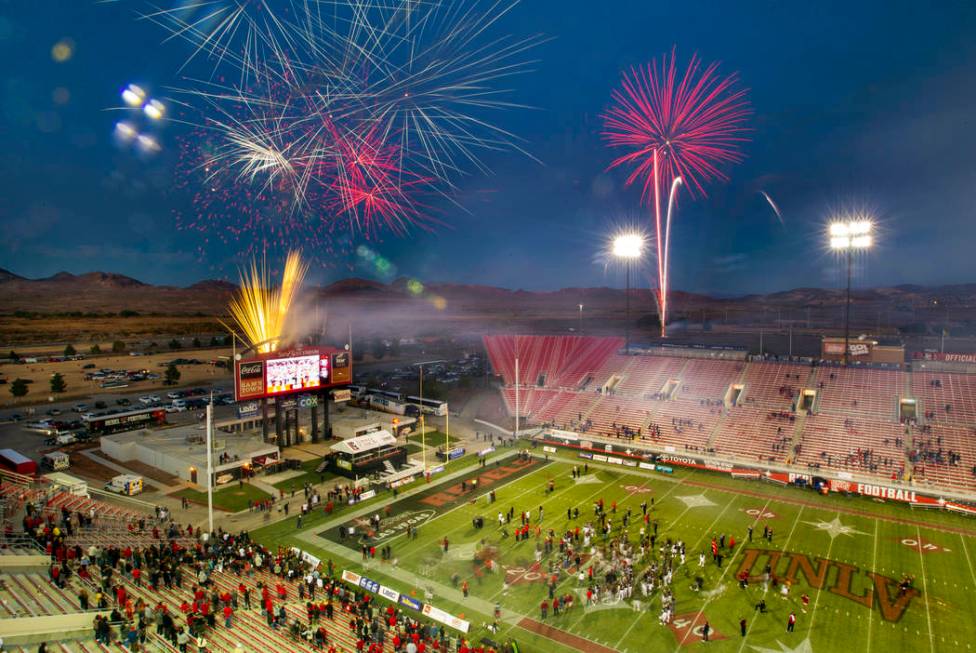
[
  {"x": 694, "y": 121},
  {"x": 678, "y": 130},
  {"x": 369, "y": 184}
]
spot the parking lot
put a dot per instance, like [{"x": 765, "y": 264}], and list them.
[{"x": 15, "y": 434}]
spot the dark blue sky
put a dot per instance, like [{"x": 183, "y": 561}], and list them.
[{"x": 865, "y": 105}]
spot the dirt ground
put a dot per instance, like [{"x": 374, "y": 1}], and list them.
[
  {"x": 85, "y": 467},
  {"x": 77, "y": 386},
  {"x": 38, "y": 333},
  {"x": 143, "y": 470}
]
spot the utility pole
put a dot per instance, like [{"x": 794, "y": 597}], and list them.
[
  {"x": 210, "y": 473},
  {"x": 847, "y": 309},
  {"x": 516, "y": 394}
]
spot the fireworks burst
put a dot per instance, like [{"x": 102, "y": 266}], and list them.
[
  {"x": 343, "y": 111},
  {"x": 679, "y": 129},
  {"x": 260, "y": 310}
]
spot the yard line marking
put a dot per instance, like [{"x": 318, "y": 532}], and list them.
[
  {"x": 816, "y": 601},
  {"x": 874, "y": 563},
  {"x": 602, "y": 488},
  {"x": 785, "y": 544},
  {"x": 676, "y": 485},
  {"x": 632, "y": 492},
  {"x": 969, "y": 560},
  {"x": 727, "y": 568},
  {"x": 465, "y": 504},
  {"x": 925, "y": 587}
]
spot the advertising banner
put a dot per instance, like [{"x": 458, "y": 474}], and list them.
[
  {"x": 411, "y": 602},
  {"x": 947, "y": 357},
  {"x": 446, "y": 618}
]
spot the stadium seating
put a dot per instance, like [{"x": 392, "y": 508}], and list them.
[
  {"x": 860, "y": 392},
  {"x": 32, "y": 595},
  {"x": 709, "y": 379},
  {"x": 936, "y": 390},
  {"x": 837, "y": 442},
  {"x": 773, "y": 385},
  {"x": 647, "y": 375},
  {"x": 552, "y": 361},
  {"x": 754, "y": 433},
  {"x": 853, "y": 425}
]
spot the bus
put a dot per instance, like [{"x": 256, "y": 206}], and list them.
[
  {"x": 389, "y": 405},
  {"x": 125, "y": 421},
  {"x": 429, "y": 406},
  {"x": 389, "y": 394}
]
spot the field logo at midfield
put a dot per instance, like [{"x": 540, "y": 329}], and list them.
[
  {"x": 874, "y": 590},
  {"x": 396, "y": 525}
]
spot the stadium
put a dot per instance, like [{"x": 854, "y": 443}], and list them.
[{"x": 487, "y": 326}]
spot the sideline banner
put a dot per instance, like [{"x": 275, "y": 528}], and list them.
[
  {"x": 877, "y": 491},
  {"x": 393, "y": 596}
]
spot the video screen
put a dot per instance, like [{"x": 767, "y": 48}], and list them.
[{"x": 289, "y": 374}]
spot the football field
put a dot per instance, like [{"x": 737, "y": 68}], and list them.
[{"x": 847, "y": 555}]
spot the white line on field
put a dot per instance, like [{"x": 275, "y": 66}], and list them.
[
  {"x": 925, "y": 588},
  {"x": 874, "y": 564},
  {"x": 789, "y": 537}
]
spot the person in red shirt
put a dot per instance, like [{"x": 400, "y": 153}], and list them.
[{"x": 228, "y": 612}]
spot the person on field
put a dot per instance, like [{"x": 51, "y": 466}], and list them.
[{"x": 791, "y": 622}]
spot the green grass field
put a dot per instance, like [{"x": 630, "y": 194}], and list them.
[
  {"x": 431, "y": 438},
  {"x": 230, "y": 498},
  {"x": 846, "y": 554}
]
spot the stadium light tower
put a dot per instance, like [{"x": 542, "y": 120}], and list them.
[
  {"x": 628, "y": 247},
  {"x": 847, "y": 236}
]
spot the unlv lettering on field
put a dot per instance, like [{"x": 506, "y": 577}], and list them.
[{"x": 838, "y": 578}]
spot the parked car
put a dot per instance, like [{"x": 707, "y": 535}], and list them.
[
  {"x": 61, "y": 439},
  {"x": 123, "y": 401},
  {"x": 100, "y": 405},
  {"x": 145, "y": 400},
  {"x": 80, "y": 408},
  {"x": 176, "y": 394},
  {"x": 54, "y": 412}
]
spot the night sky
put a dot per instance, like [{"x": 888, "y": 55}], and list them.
[{"x": 863, "y": 105}]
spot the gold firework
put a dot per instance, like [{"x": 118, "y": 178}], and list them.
[{"x": 260, "y": 310}]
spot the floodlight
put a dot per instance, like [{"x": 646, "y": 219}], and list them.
[{"x": 628, "y": 246}]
